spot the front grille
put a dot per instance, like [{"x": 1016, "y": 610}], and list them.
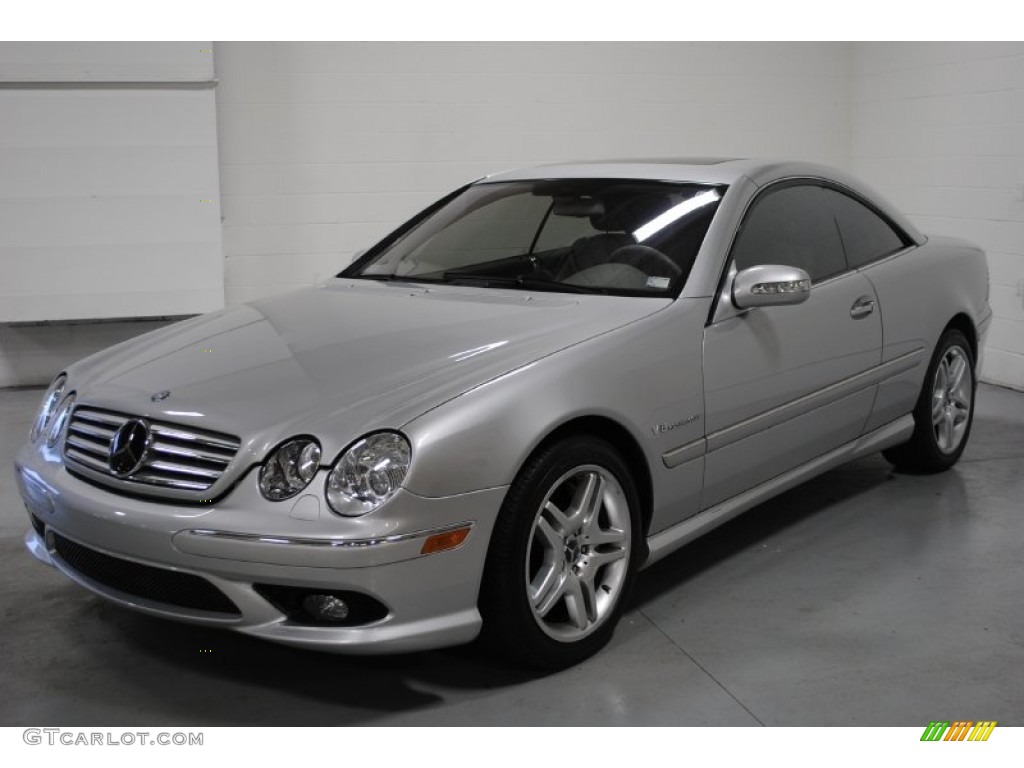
[
  {"x": 177, "y": 458},
  {"x": 157, "y": 584},
  {"x": 38, "y": 525}
]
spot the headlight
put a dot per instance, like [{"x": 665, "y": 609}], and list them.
[
  {"x": 369, "y": 473},
  {"x": 289, "y": 469},
  {"x": 49, "y": 406},
  {"x": 60, "y": 421}
]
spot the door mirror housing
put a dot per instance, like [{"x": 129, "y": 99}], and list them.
[{"x": 769, "y": 285}]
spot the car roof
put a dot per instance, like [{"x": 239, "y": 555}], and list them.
[{"x": 708, "y": 170}]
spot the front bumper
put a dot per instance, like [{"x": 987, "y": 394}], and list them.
[{"x": 243, "y": 541}]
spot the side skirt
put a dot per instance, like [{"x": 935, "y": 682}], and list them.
[{"x": 671, "y": 539}]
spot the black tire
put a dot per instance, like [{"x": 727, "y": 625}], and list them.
[
  {"x": 928, "y": 451},
  {"x": 521, "y": 546}
]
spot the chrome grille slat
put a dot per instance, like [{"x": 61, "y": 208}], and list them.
[
  {"x": 89, "y": 443},
  {"x": 99, "y": 451},
  {"x": 161, "y": 467},
  {"x": 181, "y": 459},
  {"x": 188, "y": 453},
  {"x": 100, "y": 417},
  {"x": 151, "y": 479},
  {"x": 207, "y": 439},
  {"x": 88, "y": 461},
  {"x": 89, "y": 430}
]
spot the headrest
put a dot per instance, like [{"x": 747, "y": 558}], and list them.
[{"x": 631, "y": 214}]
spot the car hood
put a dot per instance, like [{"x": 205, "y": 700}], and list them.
[{"x": 340, "y": 359}]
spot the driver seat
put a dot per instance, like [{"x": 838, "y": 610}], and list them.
[{"x": 593, "y": 251}]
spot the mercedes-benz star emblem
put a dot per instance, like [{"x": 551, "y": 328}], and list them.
[
  {"x": 128, "y": 448},
  {"x": 158, "y": 396}
]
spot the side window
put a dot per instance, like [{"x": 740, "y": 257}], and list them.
[
  {"x": 793, "y": 226},
  {"x": 866, "y": 235}
]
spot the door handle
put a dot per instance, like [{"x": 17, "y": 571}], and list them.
[{"x": 862, "y": 307}]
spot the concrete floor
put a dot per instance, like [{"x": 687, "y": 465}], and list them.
[{"x": 864, "y": 597}]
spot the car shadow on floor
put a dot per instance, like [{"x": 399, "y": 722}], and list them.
[
  {"x": 816, "y": 496},
  {"x": 349, "y": 688},
  {"x": 219, "y": 677}
]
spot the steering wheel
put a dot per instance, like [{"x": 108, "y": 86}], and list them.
[{"x": 636, "y": 255}]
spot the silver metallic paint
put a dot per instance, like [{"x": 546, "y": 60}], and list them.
[
  {"x": 783, "y": 393},
  {"x": 748, "y": 286}
]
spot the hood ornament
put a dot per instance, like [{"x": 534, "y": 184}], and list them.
[{"x": 158, "y": 396}]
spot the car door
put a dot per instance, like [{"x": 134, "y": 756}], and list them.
[
  {"x": 786, "y": 384},
  {"x": 871, "y": 241}
]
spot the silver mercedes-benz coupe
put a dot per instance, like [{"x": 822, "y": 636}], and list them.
[{"x": 492, "y": 419}]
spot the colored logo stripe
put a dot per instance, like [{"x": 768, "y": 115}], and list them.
[
  {"x": 960, "y": 730},
  {"x": 982, "y": 730},
  {"x": 957, "y": 731}
]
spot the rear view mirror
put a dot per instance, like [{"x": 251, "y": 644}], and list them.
[
  {"x": 768, "y": 285},
  {"x": 577, "y": 207}
]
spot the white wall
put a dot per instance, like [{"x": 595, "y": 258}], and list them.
[
  {"x": 324, "y": 147},
  {"x": 109, "y": 204},
  {"x": 327, "y": 146},
  {"x": 939, "y": 128},
  {"x": 34, "y": 354},
  {"x": 109, "y": 190}
]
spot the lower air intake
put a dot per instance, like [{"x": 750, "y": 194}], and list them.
[{"x": 160, "y": 585}]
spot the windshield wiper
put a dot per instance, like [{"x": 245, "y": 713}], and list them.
[
  {"x": 528, "y": 282},
  {"x": 396, "y": 278}
]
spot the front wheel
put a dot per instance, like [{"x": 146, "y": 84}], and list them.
[
  {"x": 944, "y": 411},
  {"x": 562, "y": 556}
]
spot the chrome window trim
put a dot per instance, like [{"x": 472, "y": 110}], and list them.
[{"x": 887, "y": 257}]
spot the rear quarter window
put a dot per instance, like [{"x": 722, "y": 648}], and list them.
[{"x": 866, "y": 236}]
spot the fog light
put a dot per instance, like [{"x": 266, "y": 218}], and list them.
[{"x": 326, "y": 607}]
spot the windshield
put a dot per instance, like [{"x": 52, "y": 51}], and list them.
[{"x": 620, "y": 237}]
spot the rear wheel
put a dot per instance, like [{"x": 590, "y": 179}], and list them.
[
  {"x": 562, "y": 556},
  {"x": 944, "y": 411}
]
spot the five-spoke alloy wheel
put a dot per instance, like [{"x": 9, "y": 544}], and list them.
[
  {"x": 944, "y": 411},
  {"x": 952, "y": 399},
  {"x": 563, "y": 554},
  {"x": 576, "y": 562}
]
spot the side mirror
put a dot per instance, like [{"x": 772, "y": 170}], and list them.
[{"x": 769, "y": 285}]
